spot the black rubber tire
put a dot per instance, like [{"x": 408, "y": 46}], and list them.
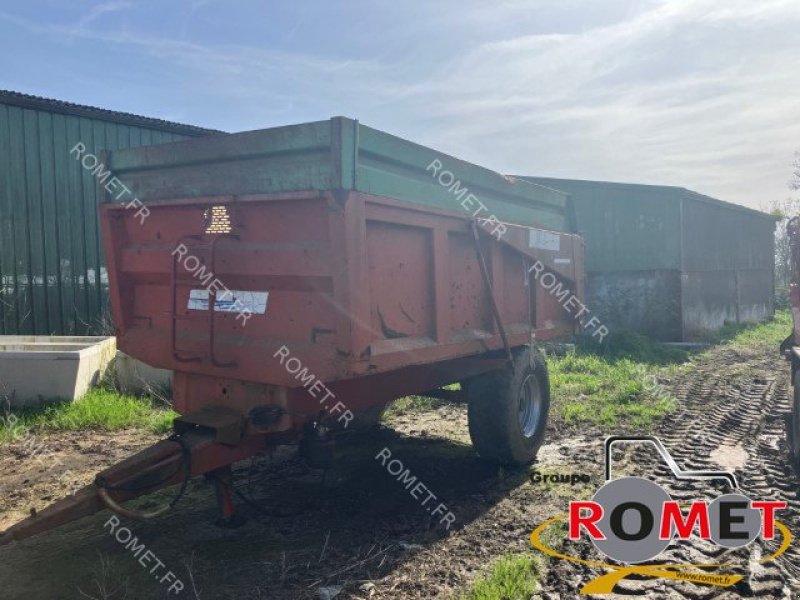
[
  {"x": 793, "y": 425},
  {"x": 494, "y": 401}
]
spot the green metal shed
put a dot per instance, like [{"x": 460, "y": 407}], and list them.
[
  {"x": 51, "y": 264},
  {"x": 668, "y": 261}
]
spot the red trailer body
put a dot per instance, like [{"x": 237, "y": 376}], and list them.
[
  {"x": 301, "y": 278},
  {"x": 373, "y": 297}
]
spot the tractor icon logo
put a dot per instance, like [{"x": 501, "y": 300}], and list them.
[{"x": 631, "y": 520}]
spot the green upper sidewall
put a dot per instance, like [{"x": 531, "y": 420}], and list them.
[{"x": 339, "y": 153}]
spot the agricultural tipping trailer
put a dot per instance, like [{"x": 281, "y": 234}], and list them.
[{"x": 298, "y": 279}]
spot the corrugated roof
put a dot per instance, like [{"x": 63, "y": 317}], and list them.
[
  {"x": 92, "y": 112},
  {"x": 680, "y": 192}
]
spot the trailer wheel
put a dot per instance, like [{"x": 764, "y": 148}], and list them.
[
  {"x": 507, "y": 410},
  {"x": 793, "y": 432}
]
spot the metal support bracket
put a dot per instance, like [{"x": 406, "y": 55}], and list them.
[{"x": 488, "y": 283}]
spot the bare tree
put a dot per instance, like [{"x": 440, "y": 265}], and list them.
[
  {"x": 794, "y": 183},
  {"x": 784, "y": 210}
]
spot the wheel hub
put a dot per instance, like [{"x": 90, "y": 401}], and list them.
[{"x": 530, "y": 406}]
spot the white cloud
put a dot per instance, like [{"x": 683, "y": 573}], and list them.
[
  {"x": 98, "y": 11},
  {"x": 698, "y": 93}
]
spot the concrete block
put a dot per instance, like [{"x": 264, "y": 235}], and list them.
[
  {"x": 647, "y": 302},
  {"x": 135, "y": 377},
  {"x": 38, "y": 368}
]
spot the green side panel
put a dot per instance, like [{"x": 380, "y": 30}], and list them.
[
  {"x": 626, "y": 227},
  {"x": 8, "y": 309},
  {"x": 77, "y": 305},
  {"x": 135, "y": 137},
  {"x": 123, "y": 136},
  {"x": 332, "y": 155},
  {"x": 63, "y": 218},
  {"x": 394, "y": 167},
  {"x": 33, "y": 184},
  {"x": 50, "y": 217},
  {"x": 716, "y": 239},
  {"x": 52, "y": 273},
  {"x": 282, "y": 159},
  {"x": 19, "y": 221},
  {"x": 89, "y": 186}
]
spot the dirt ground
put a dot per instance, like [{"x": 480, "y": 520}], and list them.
[{"x": 360, "y": 532}]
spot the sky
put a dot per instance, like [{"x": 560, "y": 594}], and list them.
[{"x": 703, "y": 94}]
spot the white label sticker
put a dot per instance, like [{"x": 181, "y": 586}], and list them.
[
  {"x": 236, "y": 301},
  {"x": 545, "y": 240},
  {"x": 562, "y": 261}
]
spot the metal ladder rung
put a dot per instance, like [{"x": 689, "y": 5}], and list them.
[
  {"x": 180, "y": 282},
  {"x": 201, "y": 317}
]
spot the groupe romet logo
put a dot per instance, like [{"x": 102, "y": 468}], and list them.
[{"x": 632, "y": 520}]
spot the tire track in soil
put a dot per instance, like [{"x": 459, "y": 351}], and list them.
[{"x": 735, "y": 400}]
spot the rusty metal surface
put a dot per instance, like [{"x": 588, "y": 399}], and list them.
[
  {"x": 355, "y": 289},
  {"x": 370, "y": 265},
  {"x": 358, "y": 286}
]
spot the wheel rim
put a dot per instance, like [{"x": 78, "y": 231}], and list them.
[{"x": 530, "y": 406}]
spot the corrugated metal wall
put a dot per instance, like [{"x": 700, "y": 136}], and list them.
[
  {"x": 728, "y": 266},
  {"x": 669, "y": 262},
  {"x": 51, "y": 264},
  {"x": 627, "y": 227}
]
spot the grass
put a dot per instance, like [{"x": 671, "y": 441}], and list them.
[
  {"x": 614, "y": 384},
  {"x": 772, "y": 332},
  {"x": 633, "y": 346},
  {"x": 99, "y": 409},
  {"x": 411, "y": 404},
  {"x": 512, "y": 577}
]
